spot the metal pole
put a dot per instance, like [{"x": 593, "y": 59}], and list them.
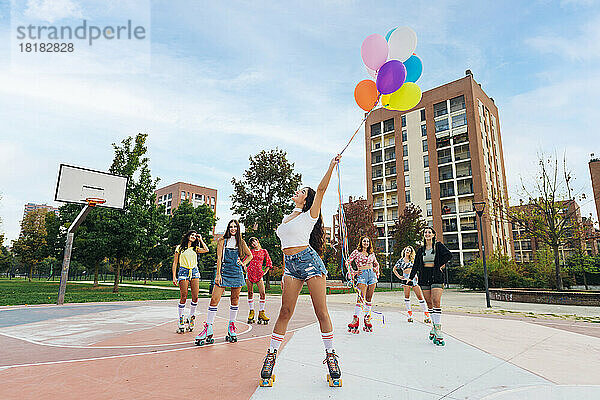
[
  {"x": 485, "y": 272},
  {"x": 64, "y": 275}
]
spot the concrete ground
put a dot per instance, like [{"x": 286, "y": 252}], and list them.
[{"x": 129, "y": 350}]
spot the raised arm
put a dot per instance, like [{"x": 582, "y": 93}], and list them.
[
  {"x": 204, "y": 248},
  {"x": 315, "y": 209}
]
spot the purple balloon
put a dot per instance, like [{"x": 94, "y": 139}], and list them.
[
  {"x": 391, "y": 76},
  {"x": 374, "y": 51}
]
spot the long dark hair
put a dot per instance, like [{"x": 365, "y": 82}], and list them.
[
  {"x": 252, "y": 239},
  {"x": 317, "y": 236},
  {"x": 185, "y": 239},
  {"x": 238, "y": 235},
  {"x": 369, "y": 249},
  {"x": 433, "y": 241}
]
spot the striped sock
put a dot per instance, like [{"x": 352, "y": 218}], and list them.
[
  {"x": 181, "y": 309},
  {"x": 368, "y": 308},
  {"x": 423, "y": 305},
  {"x": 261, "y": 305},
  {"x": 212, "y": 311},
  {"x": 193, "y": 308},
  {"x": 436, "y": 316},
  {"x": 251, "y": 304},
  {"x": 276, "y": 340},
  {"x": 407, "y": 304},
  {"x": 233, "y": 310},
  {"x": 327, "y": 340},
  {"x": 357, "y": 309}
]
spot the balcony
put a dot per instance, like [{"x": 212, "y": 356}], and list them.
[
  {"x": 391, "y": 187},
  {"x": 392, "y": 203},
  {"x": 378, "y": 188},
  {"x": 462, "y": 153},
  {"x": 377, "y": 174},
  {"x": 468, "y": 226},
  {"x": 376, "y": 160},
  {"x": 449, "y": 225},
  {"x": 378, "y": 204},
  {"x": 391, "y": 171},
  {"x": 465, "y": 187}
]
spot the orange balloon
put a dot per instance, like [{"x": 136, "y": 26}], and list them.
[{"x": 365, "y": 94}]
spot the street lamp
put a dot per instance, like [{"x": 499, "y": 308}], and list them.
[{"x": 478, "y": 207}]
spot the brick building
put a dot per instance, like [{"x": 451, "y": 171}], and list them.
[{"x": 171, "y": 196}]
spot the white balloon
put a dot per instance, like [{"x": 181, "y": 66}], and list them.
[
  {"x": 371, "y": 72},
  {"x": 402, "y": 43}
]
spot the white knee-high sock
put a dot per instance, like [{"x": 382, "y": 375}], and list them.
[
  {"x": 181, "y": 309},
  {"x": 193, "y": 308},
  {"x": 261, "y": 305},
  {"x": 327, "y": 340},
  {"x": 357, "y": 309},
  {"x": 436, "y": 316},
  {"x": 276, "y": 340},
  {"x": 251, "y": 304},
  {"x": 407, "y": 304},
  {"x": 233, "y": 311},
  {"x": 423, "y": 305},
  {"x": 212, "y": 312},
  {"x": 367, "y": 308}
]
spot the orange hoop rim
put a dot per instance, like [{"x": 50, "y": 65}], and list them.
[{"x": 93, "y": 201}]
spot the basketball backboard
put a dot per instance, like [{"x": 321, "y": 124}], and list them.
[{"x": 76, "y": 184}]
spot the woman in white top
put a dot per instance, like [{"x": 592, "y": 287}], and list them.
[{"x": 302, "y": 237}]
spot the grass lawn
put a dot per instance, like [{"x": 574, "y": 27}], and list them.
[{"x": 20, "y": 291}]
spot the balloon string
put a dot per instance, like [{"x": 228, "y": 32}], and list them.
[{"x": 361, "y": 124}]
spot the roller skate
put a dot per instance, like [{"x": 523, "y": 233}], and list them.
[
  {"x": 353, "y": 326},
  {"x": 427, "y": 319},
  {"x": 438, "y": 338},
  {"x": 191, "y": 323},
  {"x": 368, "y": 326},
  {"x": 432, "y": 333},
  {"x": 251, "y": 317},
  {"x": 334, "y": 376},
  {"x": 266, "y": 374},
  {"x": 231, "y": 336},
  {"x": 206, "y": 336},
  {"x": 181, "y": 325},
  {"x": 410, "y": 318},
  {"x": 262, "y": 318}
]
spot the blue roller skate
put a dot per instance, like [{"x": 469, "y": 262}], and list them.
[
  {"x": 231, "y": 336},
  {"x": 206, "y": 336}
]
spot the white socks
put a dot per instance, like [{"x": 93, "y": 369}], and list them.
[
  {"x": 181, "y": 309},
  {"x": 233, "y": 311},
  {"x": 251, "y": 304},
  {"x": 367, "y": 308},
  {"x": 275, "y": 342},
  {"x": 261, "y": 305},
  {"x": 210, "y": 317},
  {"x": 407, "y": 304},
  {"x": 357, "y": 309},
  {"x": 423, "y": 305},
  {"x": 327, "y": 340},
  {"x": 436, "y": 316},
  {"x": 193, "y": 308}
]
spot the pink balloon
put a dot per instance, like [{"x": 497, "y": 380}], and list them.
[{"x": 374, "y": 51}]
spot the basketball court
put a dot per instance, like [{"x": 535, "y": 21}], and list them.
[{"x": 130, "y": 350}]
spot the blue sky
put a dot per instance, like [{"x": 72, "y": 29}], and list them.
[{"x": 227, "y": 80}]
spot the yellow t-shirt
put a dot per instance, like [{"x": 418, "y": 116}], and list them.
[{"x": 188, "y": 258}]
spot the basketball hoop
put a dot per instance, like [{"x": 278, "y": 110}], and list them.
[{"x": 93, "y": 201}]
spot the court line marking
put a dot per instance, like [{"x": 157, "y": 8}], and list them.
[
  {"x": 69, "y": 346},
  {"x": 4, "y": 367}
]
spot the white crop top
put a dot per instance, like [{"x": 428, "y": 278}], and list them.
[{"x": 296, "y": 233}]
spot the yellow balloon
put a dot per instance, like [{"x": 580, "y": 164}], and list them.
[
  {"x": 385, "y": 99},
  {"x": 405, "y": 98}
]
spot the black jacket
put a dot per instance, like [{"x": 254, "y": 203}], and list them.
[{"x": 442, "y": 256}]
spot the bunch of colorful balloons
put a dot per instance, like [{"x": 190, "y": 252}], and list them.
[{"x": 391, "y": 61}]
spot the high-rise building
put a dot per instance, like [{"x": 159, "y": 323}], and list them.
[
  {"x": 595, "y": 175},
  {"x": 32, "y": 207},
  {"x": 442, "y": 156},
  {"x": 171, "y": 196}
]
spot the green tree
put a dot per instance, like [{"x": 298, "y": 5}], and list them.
[
  {"x": 262, "y": 197},
  {"x": 186, "y": 217},
  {"x": 408, "y": 229},
  {"x": 30, "y": 247}
]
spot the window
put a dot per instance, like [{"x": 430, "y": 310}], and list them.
[
  {"x": 388, "y": 125},
  {"x": 390, "y": 154},
  {"x": 444, "y": 156},
  {"x": 426, "y": 177},
  {"x": 423, "y": 115},
  {"x": 442, "y": 125},
  {"x": 406, "y": 180},
  {"x": 448, "y": 207},
  {"x": 376, "y": 157},
  {"x": 170, "y": 195},
  {"x": 526, "y": 245},
  {"x": 405, "y": 165},
  {"x": 463, "y": 169},
  {"x": 403, "y": 121},
  {"x": 429, "y": 210},
  {"x": 449, "y": 225},
  {"x": 462, "y": 152},
  {"x": 457, "y": 104},
  {"x": 404, "y": 136},
  {"x": 451, "y": 241},
  {"x": 182, "y": 195},
  {"x": 426, "y": 161},
  {"x": 407, "y": 196},
  {"x": 442, "y": 142},
  {"x": 376, "y": 129},
  {"x": 214, "y": 201},
  {"x": 447, "y": 189},
  {"x": 465, "y": 186},
  {"x": 405, "y": 150},
  {"x": 459, "y": 120},
  {"x": 423, "y": 130},
  {"x": 169, "y": 204},
  {"x": 425, "y": 145},
  {"x": 445, "y": 172},
  {"x": 467, "y": 224},
  {"x": 469, "y": 241},
  {"x": 440, "y": 109},
  {"x": 427, "y": 193}
]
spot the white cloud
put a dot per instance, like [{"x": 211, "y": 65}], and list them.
[{"x": 53, "y": 10}]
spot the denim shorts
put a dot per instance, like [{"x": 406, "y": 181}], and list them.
[
  {"x": 304, "y": 265},
  {"x": 415, "y": 279},
  {"x": 184, "y": 273},
  {"x": 366, "y": 277}
]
